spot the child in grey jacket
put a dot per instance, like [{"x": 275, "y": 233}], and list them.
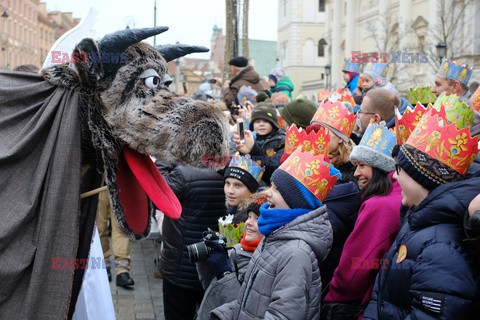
[{"x": 282, "y": 280}]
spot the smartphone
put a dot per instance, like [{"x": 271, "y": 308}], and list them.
[{"x": 241, "y": 130}]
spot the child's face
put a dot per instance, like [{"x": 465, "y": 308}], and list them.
[
  {"x": 251, "y": 227},
  {"x": 363, "y": 173},
  {"x": 346, "y": 77},
  {"x": 262, "y": 127},
  {"x": 275, "y": 199},
  {"x": 367, "y": 81},
  {"x": 235, "y": 191},
  {"x": 271, "y": 83}
]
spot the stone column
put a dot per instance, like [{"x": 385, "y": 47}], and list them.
[
  {"x": 350, "y": 44},
  {"x": 337, "y": 61}
]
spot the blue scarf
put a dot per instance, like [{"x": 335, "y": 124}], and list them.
[{"x": 272, "y": 219}]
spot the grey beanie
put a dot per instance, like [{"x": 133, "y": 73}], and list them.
[
  {"x": 278, "y": 73},
  {"x": 373, "y": 158}
]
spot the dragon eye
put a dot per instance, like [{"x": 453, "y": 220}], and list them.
[{"x": 152, "y": 82}]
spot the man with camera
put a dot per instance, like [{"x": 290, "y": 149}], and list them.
[{"x": 200, "y": 192}]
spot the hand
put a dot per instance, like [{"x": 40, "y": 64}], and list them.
[
  {"x": 246, "y": 147},
  {"x": 474, "y": 205},
  {"x": 226, "y": 84},
  {"x": 243, "y": 111},
  {"x": 219, "y": 261}
]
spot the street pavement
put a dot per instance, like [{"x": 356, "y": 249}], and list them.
[{"x": 145, "y": 300}]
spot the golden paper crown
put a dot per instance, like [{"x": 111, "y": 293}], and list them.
[
  {"x": 406, "y": 123},
  {"x": 337, "y": 116},
  {"x": 314, "y": 141},
  {"x": 314, "y": 172},
  {"x": 457, "y": 111},
  {"x": 342, "y": 95},
  {"x": 444, "y": 142}
]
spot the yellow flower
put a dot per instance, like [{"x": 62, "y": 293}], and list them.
[
  {"x": 458, "y": 144},
  {"x": 312, "y": 167},
  {"x": 333, "y": 112}
]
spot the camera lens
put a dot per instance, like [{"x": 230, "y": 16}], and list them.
[{"x": 198, "y": 252}]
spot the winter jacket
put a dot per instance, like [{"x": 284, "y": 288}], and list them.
[
  {"x": 282, "y": 280},
  {"x": 342, "y": 203},
  {"x": 226, "y": 289},
  {"x": 472, "y": 243},
  {"x": 269, "y": 150},
  {"x": 431, "y": 278},
  {"x": 200, "y": 192},
  {"x": 375, "y": 230},
  {"x": 285, "y": 86},
  {"x": 246, "y": 77}
]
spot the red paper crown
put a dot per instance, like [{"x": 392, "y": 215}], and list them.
[
  {"x": 406, "y": 123},
  {"x": 335, "y": 115},
  {"x": 315, "y": 141},
  {"x": 342, "y": 95},
  {"x": 444, "y": 142},
  {"x": 312, "y": 171}
]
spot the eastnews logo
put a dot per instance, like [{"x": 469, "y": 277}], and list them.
[
  {"x": 84, "y": 57},
  {"x": 383, "y": 57},
  {"x": 76, "y": 263}
]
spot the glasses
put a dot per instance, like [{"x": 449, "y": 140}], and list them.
[
  {"x": 398, "y": 168},
  {"x": 360, "y": 111}
]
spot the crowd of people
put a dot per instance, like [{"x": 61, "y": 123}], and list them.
[{"x": 365, "y": 204}]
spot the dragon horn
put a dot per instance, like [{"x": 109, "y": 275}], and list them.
[
  {"x": 118, "y": 41},
  {"x": 173, "y": 51}
]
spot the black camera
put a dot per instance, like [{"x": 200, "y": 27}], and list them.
[{"x": 201, "y": 250}]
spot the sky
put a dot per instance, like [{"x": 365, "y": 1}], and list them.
[{"x": 189, "y": 21}]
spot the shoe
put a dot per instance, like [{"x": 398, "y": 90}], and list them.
[
  {"x": 124, "y": 280},
  {"x": 109, "y": 274}
]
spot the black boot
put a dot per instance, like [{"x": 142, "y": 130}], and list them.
[{"x": 124, "y": 280}]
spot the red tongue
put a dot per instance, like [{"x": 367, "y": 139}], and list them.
[{"x": 137, "y": 178}]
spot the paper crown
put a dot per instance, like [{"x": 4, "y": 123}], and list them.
[
  {"x": 342, "y": 95},
  {"x": 444, "y": 142},
  {"x": 406, "y": 123},
  {"x": 335, "y": 115},
  {"x": 455, "y": 71},
  {"x": 246, "y": 93},
  {"x": 313, "y": 141},
  {"x": 375, "y": 148},
  {"x": 424, "y": 95},
  {"x": 458, "y": 112},
  {"x": 246, "y": 164},
  {"x": 350, "y": 66},
  {"x": 475, "y": 100},
  {"x": 311, "y": 171},
  {"x": 378, "y": 68},
  {"x": 322, "y": 95}
]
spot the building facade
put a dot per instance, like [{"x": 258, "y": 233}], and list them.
[{"x": 404, "y": 30}]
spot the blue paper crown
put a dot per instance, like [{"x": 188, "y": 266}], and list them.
[
  {"x": 454, "y": 71},
  {"x": 246, "y": 93},
  {"x": 379, "y": 138},
  {"x": 379, "y": 68},
  {"x": 245, "y": 163},
  {"x": 352, "y": 66}
]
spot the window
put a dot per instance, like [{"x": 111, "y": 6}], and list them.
[
  {"x": 321, "y": 47},
  {"x": 321, "y": 5}
]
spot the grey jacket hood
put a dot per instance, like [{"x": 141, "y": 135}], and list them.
[{"x": 306, "y": 228}]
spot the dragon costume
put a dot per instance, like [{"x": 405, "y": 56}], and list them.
[{"x": 66, "y": 130}]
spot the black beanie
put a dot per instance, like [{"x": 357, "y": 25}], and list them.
[
  {"x": 265, "y": 110},
  {"x": 293, "y": 192},
  {"x": 242, "y": 175},
  {"x": 256, "y": 203},
  {"x": 240, "y": 62},
  {"x": 424, "y": 169}
]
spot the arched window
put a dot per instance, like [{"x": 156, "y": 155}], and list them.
[{"x": 321, "y": 47}]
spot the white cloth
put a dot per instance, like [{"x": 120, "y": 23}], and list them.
[{"x": 95, "y": 298}]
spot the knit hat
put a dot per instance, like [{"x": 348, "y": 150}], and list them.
[
  {"x": 265, "y": 110},
  {"x": 304, "y": 180},
  {"x": 257, "y": 201},
  {"x": 436, "y": 152},
  {"x": 375, "y": 148},
  {"x": 299, "y": 111},
  {"x": 240, "y": 62},
  {"x": 244, "y": 169},
  {"x": 277, "y": 74}
]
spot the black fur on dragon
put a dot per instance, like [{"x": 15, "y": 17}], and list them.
[{"x": 88, "y": 122}]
